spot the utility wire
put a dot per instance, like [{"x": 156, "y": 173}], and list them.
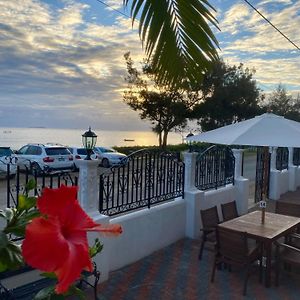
[
  {"x": 272, "y": 24},
  {"x": 114, "y": 9}
]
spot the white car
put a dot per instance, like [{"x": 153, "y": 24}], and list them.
[
  {"x": 44, "y": 158},
  {"x": 109, "y": 157},
  {"x": 7, "y": 157},
  {"x": 79, "y": 154}
]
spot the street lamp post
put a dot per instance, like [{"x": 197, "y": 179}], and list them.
[
  {"x": 190, "y": 142},
  {"x": 89, "y": 139}
]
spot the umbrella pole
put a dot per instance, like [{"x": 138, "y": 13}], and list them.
[{"x": 263, "y": 203}]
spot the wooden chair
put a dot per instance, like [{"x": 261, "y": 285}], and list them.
[
  {"x": 286, "y": 208},
  {"x": 229, "y": 211},
  {"x": 210, "y": 220},
  {"x": 233, "y": 250},
  {"x": 287, "y": 254}
]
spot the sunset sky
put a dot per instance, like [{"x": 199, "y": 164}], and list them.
[{"x": 62, "y": 62}]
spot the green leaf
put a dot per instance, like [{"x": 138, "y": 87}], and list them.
[
  {"x": 73, "y": 290},
  {"x": 50, "y": 275},
  {"x": 177, "y": 38},
  {"x": 31, "y": 184},
  {"x": 25, "y": 203},
  {"x": 45, "y": 293},
  {"x": 96, "y": 248},
  {"x": 9, "y": 214},
  {"x": 3, "y": 240}
]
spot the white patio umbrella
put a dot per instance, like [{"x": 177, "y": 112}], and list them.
[{"x": 265, "y": 130}]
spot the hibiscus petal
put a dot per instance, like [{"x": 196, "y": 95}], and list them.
[
  {"x": 44, "y": 246},
  {"x": 57, "y": 202},
  {"x": 70, "y": 271}
]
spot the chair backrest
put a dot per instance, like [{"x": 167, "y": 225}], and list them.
[
  {"x": 229, "y": 211},
  {"x": 232, "y": 245},
  {"x": 210, "y": 217},
  {"x": 286, "y": 208}
]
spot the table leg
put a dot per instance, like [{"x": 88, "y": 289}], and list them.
[{"x": 268, "y": 251}]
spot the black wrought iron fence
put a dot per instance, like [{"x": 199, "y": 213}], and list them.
[
  {"x": 17, "y": 180},
  {"x": 214, "y": 168},
  {"x": 146, "y": 178},
  {"x": 296, "y": 157},
  {"x": 282, "y": 158}
]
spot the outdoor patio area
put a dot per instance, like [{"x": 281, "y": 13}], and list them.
[{"x": 176, "y": 273}]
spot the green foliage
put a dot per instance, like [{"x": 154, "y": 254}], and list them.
[
  {"x": 96, "y": 248},
  {"x": 16, "y": 221},
  {"x": 282, "y": 104},
  {"x": 176, "y": 37},
  {"x": 230, "y": 95},
  {"x": 165, "y": 107}
]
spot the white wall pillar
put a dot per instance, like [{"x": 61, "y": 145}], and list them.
[
  {"x": 292, "y": 170},
  {"x": 190, "y": 168},
  {"x": 88, "y": 193},
  {"x": 273, "y": 151},
  {"x": 238, "y": 155},
  {"x": 242, "y": 194},
  {"x": 88, "y": 196}
]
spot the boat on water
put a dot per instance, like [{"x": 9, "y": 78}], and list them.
[{"x": 128, "y": 140}]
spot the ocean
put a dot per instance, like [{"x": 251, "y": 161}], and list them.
[{"x": 18, "y": 137}]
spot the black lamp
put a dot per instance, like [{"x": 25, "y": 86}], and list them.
[
  {"x": 190, "y": 142},
  {"x": 89, "y": 139}
]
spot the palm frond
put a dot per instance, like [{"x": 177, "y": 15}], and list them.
[{"x": 176, "y": 37}]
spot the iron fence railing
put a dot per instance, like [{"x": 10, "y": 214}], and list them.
[
  {"x": 144, "y": 179},
  {"x": 282, "y": 158},
  {"x": 16, "y": 182},
  {"x": 296, "y": 157},
  {"x": 214, "y": 168}
]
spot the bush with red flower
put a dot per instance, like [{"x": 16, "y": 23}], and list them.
[{"x": 54, "y": 227}]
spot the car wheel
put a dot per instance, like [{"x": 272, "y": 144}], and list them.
[
  {"x": 36, "y": 169},
  {"x": 105, "y": 163}
]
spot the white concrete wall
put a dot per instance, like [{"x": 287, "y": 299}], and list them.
[
  {"x": 279, "y": 183},
  {"x": 146, "y": 231}
]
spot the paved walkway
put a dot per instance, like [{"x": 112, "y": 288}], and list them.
[{"x": 175, "y": 273}]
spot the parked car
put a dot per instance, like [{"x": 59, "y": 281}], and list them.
[
  {"x": 80, "y": 153},
  {"x": 45, "y": 158},
  {"x": 7, "y": 156},
  {"x": 109, "y": 157}
]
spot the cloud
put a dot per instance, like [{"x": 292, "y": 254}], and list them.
[
  {"x": 251, "y": 40},
  {"x": 55, "y": 60}
]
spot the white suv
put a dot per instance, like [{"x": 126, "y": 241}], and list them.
[{"x": 42, "y": 158}]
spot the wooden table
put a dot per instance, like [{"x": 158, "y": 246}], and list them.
[{"x": 275, "y": 226}]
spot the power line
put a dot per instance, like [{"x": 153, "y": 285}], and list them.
[
  {"x": 272, "y": 24},
  {"x": 114, "y": 9}
]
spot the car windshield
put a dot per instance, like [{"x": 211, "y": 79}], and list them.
[
  {"x": 106, "y": 150},
  {"x": 5, "y": 152},
  {"x": 57, "y": 151},
  {"x": 82, "y": 151}
]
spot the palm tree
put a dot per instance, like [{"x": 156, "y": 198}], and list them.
[{"x": 176, "y": 37}]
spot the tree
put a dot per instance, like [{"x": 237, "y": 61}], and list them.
[
  {"x": 177, "y": 37},
  {"x": 282, "y": 104},
  {"x": 163, "y": 106},
  {"x": 230, "y": 94}
]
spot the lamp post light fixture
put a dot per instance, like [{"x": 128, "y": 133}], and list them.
[
  {"x": 190, "y": 142},
  {"x": 89, "y": 139}
]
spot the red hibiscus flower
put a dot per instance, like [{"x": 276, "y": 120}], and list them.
[{"x": 57, "y": 241}]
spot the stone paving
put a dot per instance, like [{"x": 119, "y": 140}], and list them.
[{"x": 175, "y": 273}]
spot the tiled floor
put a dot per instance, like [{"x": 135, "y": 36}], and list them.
[{"x": 175, "y": 273}]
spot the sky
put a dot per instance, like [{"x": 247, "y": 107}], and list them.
[{"x": 62, "y": 63}]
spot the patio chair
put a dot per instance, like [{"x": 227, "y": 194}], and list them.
[
  {"x": 233, "y": 250},
  {"x": 286, "y": 208},
  {"x": 287, "y": 254},
  {"x": 229, "y": 211},
  {"x": 210, "y": 220}
]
